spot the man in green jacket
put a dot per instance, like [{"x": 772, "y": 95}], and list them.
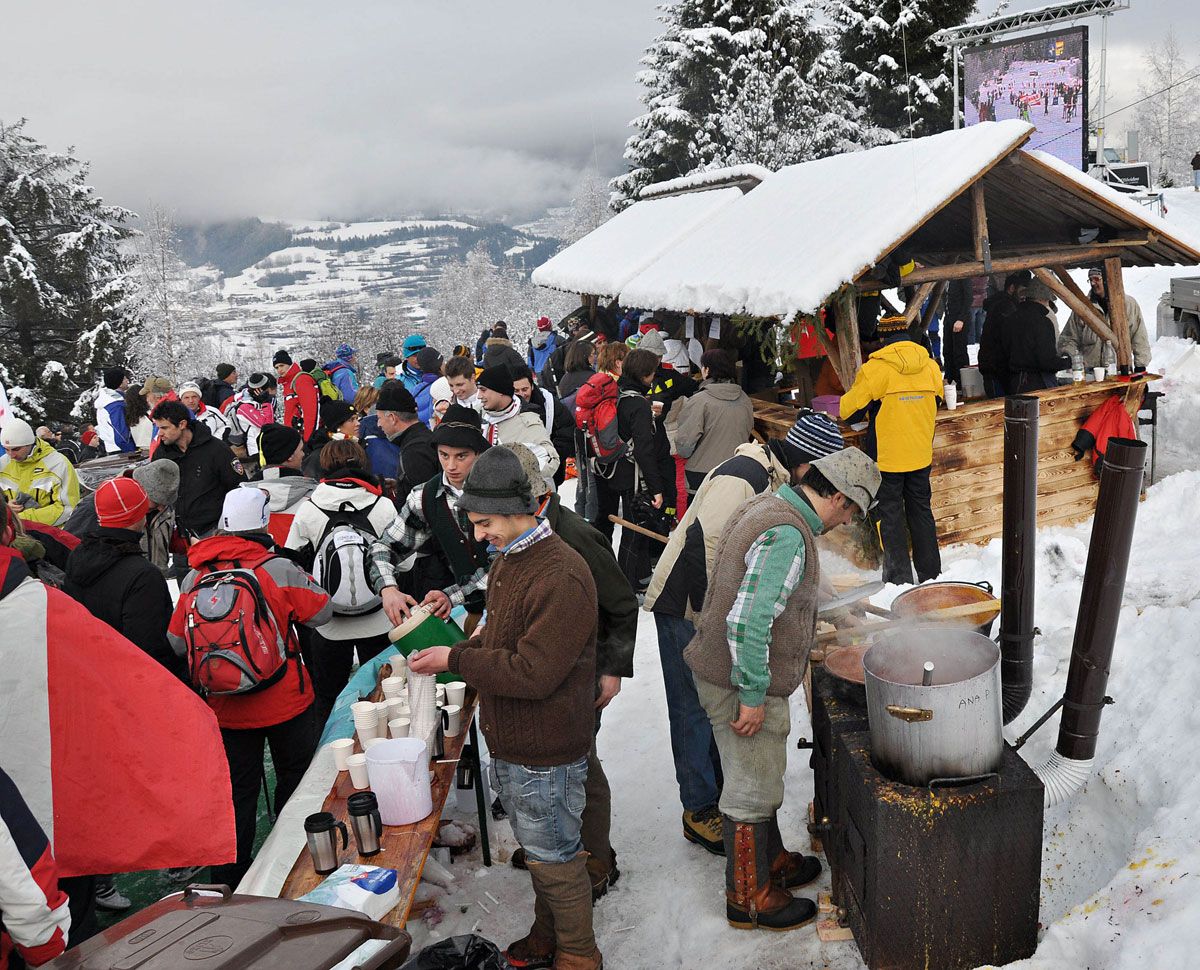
[
  {"x": 752, "y": 641},
  {"x": 615, "y": 636}
]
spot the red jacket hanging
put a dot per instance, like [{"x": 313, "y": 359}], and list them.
[{"x": 1110, "y": 420}]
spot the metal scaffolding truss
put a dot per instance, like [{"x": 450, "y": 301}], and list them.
[{"x": 1053, "y": 13}]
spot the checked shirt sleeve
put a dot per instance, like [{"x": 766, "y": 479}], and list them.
[
  {"x": 407, "y": 533},
  {"x": 774, "y": 565}
]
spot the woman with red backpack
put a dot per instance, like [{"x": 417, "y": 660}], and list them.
[{"x": 619, "y": 429}]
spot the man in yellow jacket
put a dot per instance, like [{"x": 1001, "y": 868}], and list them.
[
  {"x": 897, "y": 390},
  {"x": 38, "y": 482}
]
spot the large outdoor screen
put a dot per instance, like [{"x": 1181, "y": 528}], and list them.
[{"x": 1042, "y": 80}]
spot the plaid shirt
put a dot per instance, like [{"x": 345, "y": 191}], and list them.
[
  {"x": 775, "y": 564},
  {"x": 406, "y": 536},
  {"x": 527, "y": 539}
]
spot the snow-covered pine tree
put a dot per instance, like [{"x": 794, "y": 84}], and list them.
[
  {"x": 1168, "y": 118},
  {"x": 589, "y": 206},
  {"x": 64, "y": 282},
  {"x": 718, "y": 60},
  {"x": 903, "y": 79}
]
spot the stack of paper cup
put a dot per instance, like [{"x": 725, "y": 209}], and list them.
[
  {"x": 441, "y": 695},
  {"x": 398, "y": 728},
  {"x": 393, "y": 687},
  {"x": 366, "y": 721},
  {"x": 381, "y": 712},
  {"x": 398, "y": 708},
  {"x": 422, "y": 699}
]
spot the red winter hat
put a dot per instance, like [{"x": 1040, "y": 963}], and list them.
[
  {"x": 648, "y": 325},
  {"x": 120, "y": 502},
  {"x": 544, "y": 323}
]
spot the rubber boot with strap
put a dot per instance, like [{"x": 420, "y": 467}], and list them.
[{"x": 752, "y": 900}]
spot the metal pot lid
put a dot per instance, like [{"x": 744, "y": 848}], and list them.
[
  {"x": 850, "y": 597},
  {"x": 957, "y": 655}
]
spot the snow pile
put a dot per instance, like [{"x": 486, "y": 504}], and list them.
[
  {"x": 608, "y": 257},
  {"x": 712, "y": 176},
  {"x": 810, "y": 228}
]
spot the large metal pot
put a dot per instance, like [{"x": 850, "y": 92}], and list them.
[
  {"x": 940, "y": 721},
  {"x": 919, "y": 600}
]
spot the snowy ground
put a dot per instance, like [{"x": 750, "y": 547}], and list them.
[{"x": 1120, "y": 860}]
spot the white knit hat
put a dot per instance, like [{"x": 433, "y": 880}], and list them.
[
  {"x": 246, "y": 509},
  {"x": 189, "y": 386},
  {"x": 16, "y": 434}
]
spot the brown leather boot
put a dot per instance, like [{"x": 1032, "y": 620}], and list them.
[
  {"x": 567, "y": 890},
  {"x": 789, "y": 870},
  {"x": 535, "y": 950},
  {"x": 602, "y": 875},
  {"x": 752, "y": 900}
]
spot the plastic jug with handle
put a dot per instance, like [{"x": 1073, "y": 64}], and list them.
[{"x": 399, "y": 773}]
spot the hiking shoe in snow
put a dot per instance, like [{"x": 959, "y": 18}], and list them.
[
  {"x": 498, "y": 812},
  {"x": 791, "y": 870},
  {"x": 704, "y": 828},
  {"x": 110, "y": 898}
]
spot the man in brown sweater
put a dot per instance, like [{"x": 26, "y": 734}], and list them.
[
  {"x": 534, "y": 666},
  {"x": 751, "y": 645}
]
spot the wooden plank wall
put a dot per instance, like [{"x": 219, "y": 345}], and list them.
[{"x": 968, "y": 457}]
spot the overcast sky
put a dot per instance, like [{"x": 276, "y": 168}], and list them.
[{"x": 305, "y": 109}]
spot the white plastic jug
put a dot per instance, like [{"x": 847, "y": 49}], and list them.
[{"x": 399, "y": 773}]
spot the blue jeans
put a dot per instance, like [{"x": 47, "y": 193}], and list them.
[
  {"x": 697, "y": 763},
  {"x": 544, "y": 805},
  {"x": 975, "y": 325}
]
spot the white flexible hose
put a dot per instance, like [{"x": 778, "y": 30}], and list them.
[{"x": 1062, "y": 777}]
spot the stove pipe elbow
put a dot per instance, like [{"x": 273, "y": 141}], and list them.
[
  {"x": 1019, "y": 553},
  {"x": 1096, "y": 626}
]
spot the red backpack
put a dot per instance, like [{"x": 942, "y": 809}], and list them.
[
  {"x": 234, "y": 645},
  {"x": 596, "y": 416}
]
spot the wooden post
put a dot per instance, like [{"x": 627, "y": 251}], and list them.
[
  {"x": 979, "y": 228},
  {"x": 830, "y": 351},
  {"x": 847, "y": 333},
  {"x": 913, "y": 308},
  {"x": 1065, "y": 255},
  {"x": 1065, "y": 289},
  {"x": 1114, "y": 282},
  {"x": 939, "y": 290}
]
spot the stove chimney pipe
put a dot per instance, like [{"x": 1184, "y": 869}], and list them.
[
  {"x": 1019, "y": 553},
  {"x": 1096, "y": 626}
]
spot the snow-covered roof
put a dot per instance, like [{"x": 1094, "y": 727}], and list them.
[
  {"x": 810, "y": 228},
  {"x": 604, "y": 260},
  {"x": 731, "y": 175}
]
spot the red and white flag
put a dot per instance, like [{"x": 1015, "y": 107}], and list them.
[{"x": 120, "y": 762}]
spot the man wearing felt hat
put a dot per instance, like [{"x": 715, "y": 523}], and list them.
[
  {"x": 451, "y": 565},
  {"x": 897, "y": 390},
  {"x": 1078, "y": 338},
  {"x": 534, "y": 666},
  {"x": 752, "y": 642}
]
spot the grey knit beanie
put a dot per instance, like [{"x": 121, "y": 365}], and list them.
[
  {"x": 497, "y": 485},
  {"x": 159, "y": 480}
]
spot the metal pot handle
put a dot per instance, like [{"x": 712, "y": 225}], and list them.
[
  {"x": 910, "y": 715},
  {"x": 984, "y": 584}
]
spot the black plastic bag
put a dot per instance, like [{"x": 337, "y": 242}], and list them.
[{"x": 467, "y": 952}]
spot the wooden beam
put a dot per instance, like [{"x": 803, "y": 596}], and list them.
[
  {"x": 913, "y": 308},
  {"x": 1114, "y": 283},
  {"x": 1065, "y": 255},
  {"x": 1065, "y": 289},
  {"x": 830, "y": 351},
  {"x": 847, "y": 333},
  {"x": 943, "y": 256},
  {"x": 979, "y": 227},
  {"x": 939, "y": 290}
]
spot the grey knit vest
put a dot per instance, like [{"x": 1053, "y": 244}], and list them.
[{"x": 792, "y": 632}]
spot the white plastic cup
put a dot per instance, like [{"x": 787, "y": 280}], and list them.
[
  {"x": 371, "y": 742},
  {"x": 393, "y": 687},
  {"x": 367, "y": 731},
  {"x": 1098, "y": 373},
  {"x": 399, "y": 728},
  {"x": 397, "y": 707},
  {"x": 357, "y": 766},
  {"x": 456, "y": 693},
  {"x": 381, "y": 716},
  {"x": 950, "y": 396},
  {"x": 342, "y": 749},
  {"x": 362, "y": 707},
  {"x": 452, "y": 719}
]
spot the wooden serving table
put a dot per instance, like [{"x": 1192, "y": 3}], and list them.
[
  {"x": 967, "y": 479},
  {"x": 404, "y": 847}
]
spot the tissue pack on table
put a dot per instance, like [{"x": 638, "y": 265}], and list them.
[{"x": 369, "y": 890}]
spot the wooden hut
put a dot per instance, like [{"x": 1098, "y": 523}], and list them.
[{"x": 960, "y": 204}]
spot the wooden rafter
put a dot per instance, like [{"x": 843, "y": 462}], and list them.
[
  {"x": 1114, "y": 282},
  {"x": 944, "y": 256},
  {"x": 1065, "y": 289},
  {"x": 913, "y": 308},
  {"x": 979, "y": 227},
  {"x": 931, "y": 308},
  {"x": 1065, "y": 255}
]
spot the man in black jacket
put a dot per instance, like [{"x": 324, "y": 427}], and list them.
[
  {"x": 109, "y": 575},
  {"x": 207, "y": 468},
  {"x": 1033, "y": 357},
  {"x": 556, "y": 416},
  {"x": 999, "y": 310},
  {"x": 396, "y": 410},
  {"x": 957, "y": 330}
]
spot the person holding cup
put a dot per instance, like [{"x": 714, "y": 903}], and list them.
[{"x": 534, "y": 667}]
